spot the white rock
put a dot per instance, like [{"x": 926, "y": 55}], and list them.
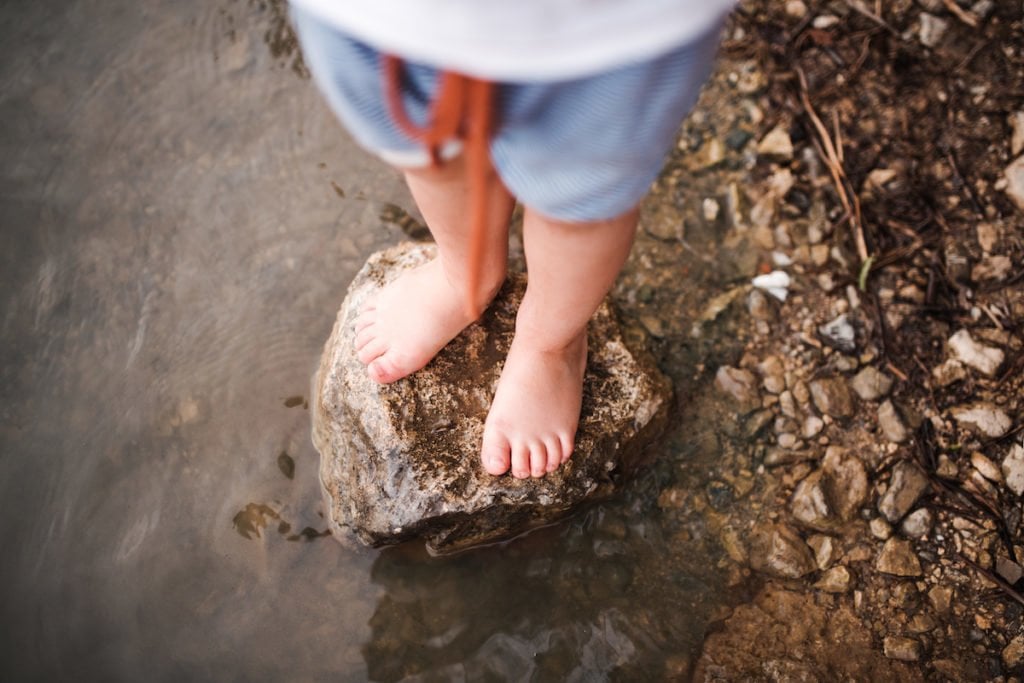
[
  {"x": 1013, "y": 469},
  {"x": 796, "y": 9},
  {"x": 776, "y": 143},
  {"x": 984, "y": 417},
  {"x": 710, "y": 209},
  {"x": 918, "y": 523},
  {"x": 1014, "y": 176},
  {"x": 933, "y": 29},
  {"x": 948, "y": 372},
  {"x": 775, "y": 283},
  {"x": 891, "y": 424},
  {"x": 812, "y": 426},
  {"x": 871, "y": 384},
  {"x": 825, "y": 21},
  {"x": 984, "y": 359}
]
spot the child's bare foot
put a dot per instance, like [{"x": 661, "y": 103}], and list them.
[
  {"x": 532, "y": 422},
  {"x": 410, "y": 320}
]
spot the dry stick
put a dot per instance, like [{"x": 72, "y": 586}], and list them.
[
  {"x": 833, "y": 160},
  {"x": 966, "y": 17},
  {"x": 859, "y": 7},
  {"x": 994, "y": 578}
]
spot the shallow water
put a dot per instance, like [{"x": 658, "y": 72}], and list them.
[{"x": 180, "y": 217}]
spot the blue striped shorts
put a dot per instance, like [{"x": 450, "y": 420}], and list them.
[{"x": 577, "y": 150}]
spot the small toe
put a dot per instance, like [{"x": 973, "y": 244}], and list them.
[
  {"x": 554, "y": 449},
  {"x": 520, "y": 460},
  {"x": 371, "y": 351},
  {"x": 383, "y": 371},
  {"x": 538, "y": 459},
  {"x": 363, "y": 322},
  {"x": 364, "y": 336},
  {"x": 495, "y": 453}
]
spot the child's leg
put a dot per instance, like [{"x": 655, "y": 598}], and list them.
[
  {"x": 533, "y": 418},
  {"x": 416, "y": 315}
]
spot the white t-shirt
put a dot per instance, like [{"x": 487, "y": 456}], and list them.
[{"x": 522, "y": 40}]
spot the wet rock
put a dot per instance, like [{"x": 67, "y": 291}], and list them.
[
  {"x": 984, "y": 359},
  {"x": 891, "y": 424},
  {"x": 401, "y": 461},
  {"x": 902, "y": 648},
  {"x": 810, "y": 504},
  {"x": 871, "y": 384},
  {"x": 933, "y": 29},
  {"x": 918, "y": 524},
  {"x": 846, "y": 482},
  {"x": 839, "y": 334},
  {"x": 835, "y": 580},
  {"x": 741, "y": 385},
  {"x": 1014, "y": 175},
  {"x": 832, "y": 397},
  {"x": 776, "y": 144},
  {"x": 1013, "y": 653},
  {"x": 907, "y": 484},
  {"x": 778, "y": 550},
  {"x": 1013, "y": 469},
  {"x": 897, "y": 557},
  {"x": 984, "y": 418}
]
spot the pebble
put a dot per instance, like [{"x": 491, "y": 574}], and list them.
[
  {"x": 710, "y": 209},
  {"x": 832, "y": 397},
  {"x": 1013, "y": 653},
  {"x": 824, "y": 548},
  {"x": 796, "y": 9},
  {"x": 949, "y": 372},
  {"x": 871, "y": 384},
  {"x": 1008, "y": 569},
  {"x": 1013, "y": 469},
  {"x": 991, "y": 268},
  {"x": 846, "y": 481},
  {"x": 812, "y": 426},
  {"x": 897, "y": 558},
  {"x": 988, "y": 236},
  {"x": 778, "y": 550},
  {"x": 918, "y": 524},
  {"x": 986, "y": 467},
  {"x": 984, "y": 359},
  {"x": 933, "y": 29},
  {"x": 825, "y": 21},
  {"x": 880, "y": 528},
  {"x": 810, "y": 505},
  {"x": 787, "y": 404},
  {"x": 835, "y": 580},
  {"x": 902, "y": 648},
  {"x": 983, "y": 417},
  {"x": 1014, "y": 176},
  {"x": 1016, "y": 121},
  {"x": 801, "y": 392},
  {"x": 839, "y": 334},
  {"x": 787, "y": 440},
  {"x": 891, "y": 424},
  {"x": 741, "y": 385},
  {"x": 906, "y": 486},
  {"x": 940, "y": 597},
  {"x": 921, "y": 623},
  {"x": 759, "y": 307},
  {"x": 776, "y": 144}
]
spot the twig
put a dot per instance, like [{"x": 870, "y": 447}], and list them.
[
  {"x": 859, "y": 7},
  {"x": 994, "y": 578},
  {"x": 833, "y": 160},
  {"x": 960, "y": 14}
]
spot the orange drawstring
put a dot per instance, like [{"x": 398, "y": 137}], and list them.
[{"x": 462, "y": 109}]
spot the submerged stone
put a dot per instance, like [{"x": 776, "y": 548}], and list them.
[{"x": 401, "y": 461}]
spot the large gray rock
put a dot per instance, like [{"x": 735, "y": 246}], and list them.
[{"x": 401, "y": 461}]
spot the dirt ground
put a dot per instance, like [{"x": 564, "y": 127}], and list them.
[{"x": 877, "y": 519}]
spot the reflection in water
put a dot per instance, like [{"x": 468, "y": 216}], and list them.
[{"x": 592, "y": 599}]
